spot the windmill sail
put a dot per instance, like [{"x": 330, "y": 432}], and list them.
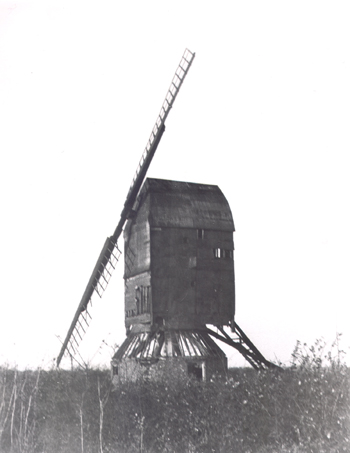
[{"x": 110, "y": 253}]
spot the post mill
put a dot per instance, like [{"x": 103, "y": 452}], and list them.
[{"x": 179, "y": 274}]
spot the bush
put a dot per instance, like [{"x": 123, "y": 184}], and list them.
[{"x": 305, "y": 408}]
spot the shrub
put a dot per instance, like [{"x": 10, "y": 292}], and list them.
[{"x": 305, "y": 408}]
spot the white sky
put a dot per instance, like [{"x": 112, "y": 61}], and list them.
[{"x": 264, "y": 114}]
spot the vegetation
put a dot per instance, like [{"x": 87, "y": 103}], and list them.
[{"x": 305, "y": 408}]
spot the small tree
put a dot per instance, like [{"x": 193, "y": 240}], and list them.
[{"x": 102, "y": 399}]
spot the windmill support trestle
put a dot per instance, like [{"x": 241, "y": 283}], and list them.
[
  {"x": 168, "y": 352},
  {"x": 181, "y": 353},
  {"x": 243, "y": 345}
]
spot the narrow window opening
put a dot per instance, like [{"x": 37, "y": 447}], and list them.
[
  {"x": 115, "y": 370},
  {"x": 222, "y": 253},
  {"x": 217, "y": 253},
  {"x": 143, "y": 299},
  {"x": 200, "y": 233}
]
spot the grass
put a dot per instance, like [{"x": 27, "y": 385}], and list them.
[{"x": 305, "y": 408}]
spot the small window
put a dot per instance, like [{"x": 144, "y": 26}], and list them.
[
  {"x": 217, "y": 253},
  {"x": 115, "y": 370},
  {"x": 222, "y": 253},
  {"x": 195, "y": 370},
  {"x": 143, "y": 299},
  {"x": 200, "y": 234}
]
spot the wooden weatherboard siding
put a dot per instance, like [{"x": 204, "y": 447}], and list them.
[{"x": 179, "y": 267}]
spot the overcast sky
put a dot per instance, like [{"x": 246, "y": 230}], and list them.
[{"x": 264, "y": 114}]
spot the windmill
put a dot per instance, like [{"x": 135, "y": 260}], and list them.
[{"x": 179, "y": 273}]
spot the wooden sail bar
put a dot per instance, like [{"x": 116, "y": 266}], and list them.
[{"x": 110, "y": 253}]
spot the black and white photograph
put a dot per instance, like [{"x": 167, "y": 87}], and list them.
[{"x": 175, "y": 229}]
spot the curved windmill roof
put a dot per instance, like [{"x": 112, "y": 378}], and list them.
[{"x": 186, "y": 205}]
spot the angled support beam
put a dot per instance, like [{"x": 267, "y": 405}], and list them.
[{"x": 243, "y": 345}]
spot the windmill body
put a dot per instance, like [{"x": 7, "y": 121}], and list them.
[
  {"x": 179, "y": 276},
  {"x": 179, "y": 257}
]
